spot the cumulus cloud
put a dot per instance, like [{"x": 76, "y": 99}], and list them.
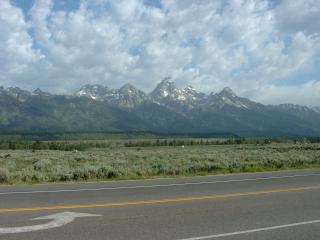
[
  {"x": 303, "y": 94},
  {"x": 40, "y": 12},
  {"x": 16, "y": 46},
  {"x": 255, "y": 47},
  {"x": 299, "y": 15}
]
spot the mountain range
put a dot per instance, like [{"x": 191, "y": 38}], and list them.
[{"x": 167, "y": 109}]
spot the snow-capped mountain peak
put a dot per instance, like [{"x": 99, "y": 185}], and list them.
[
  {"x": 228, "y": 92},
  {"x": 128, "y": 89},
  {"x": 193, "y": 94},
  {"x": 127, "y": 96},
  {"x": 39, "y": 92},
  {"x": 166, "y": 88},
  {"x": 95, "y": 91},
  {"x": 166, "y": 93},
  {"x": 18, "y": 93},
  {"x": 228, "y": 98}
]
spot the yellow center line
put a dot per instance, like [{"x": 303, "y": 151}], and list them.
[{"x": 159, "y": 201}]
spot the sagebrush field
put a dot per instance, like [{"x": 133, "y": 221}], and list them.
[{"x": 36, "y": 161}]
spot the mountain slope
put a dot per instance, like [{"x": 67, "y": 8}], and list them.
[{"x": 60, "y": 113}]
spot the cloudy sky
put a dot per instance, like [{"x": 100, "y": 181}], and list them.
[{"x": 267, "y": 50}]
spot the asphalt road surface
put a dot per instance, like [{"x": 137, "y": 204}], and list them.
[{"x": 276, "y": 205}]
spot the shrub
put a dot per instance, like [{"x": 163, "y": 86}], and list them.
[
  {"x": 4, "y": 175},
  {"x": 61, "y": 173},
  {"x": 107, "y": 172},
  {"x": 41, "y": 164}
]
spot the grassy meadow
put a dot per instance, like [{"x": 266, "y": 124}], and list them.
[{"x": 27, "y": 161}]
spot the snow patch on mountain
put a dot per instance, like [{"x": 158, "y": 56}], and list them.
[
  {"x": 127, "y": 96},
  {"x": 227, "y": 98},
  {"x": 316, "y": 109},
  {"x": 166, "y": 93},
  {"x": 294, "y": 107},
  {"x": 95, "y": 92},
  {"x": 17, "y": 93}
]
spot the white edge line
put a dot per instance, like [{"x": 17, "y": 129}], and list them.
[
  {"x": 158, "y": 185},
  {"x": 160, "y": 178},
  {"x": 253, "y": 230}
]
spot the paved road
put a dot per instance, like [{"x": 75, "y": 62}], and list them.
[{"x": 276, "y": 205}]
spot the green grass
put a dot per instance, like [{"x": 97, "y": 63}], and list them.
[{"x": 118, "y": 162}]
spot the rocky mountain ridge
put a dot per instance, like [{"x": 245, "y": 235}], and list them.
[
  {"x": 166, "y": 109},
  {"x": 167, "y": 94}
]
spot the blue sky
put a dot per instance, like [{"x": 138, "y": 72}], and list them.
[
  {"x": 68, "y": 5},
  {"x": 266, "y": 50}
]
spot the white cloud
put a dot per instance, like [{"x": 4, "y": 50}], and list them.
[
  {"x": 16, "y": 51},
  {"x": 299, "y": 15},
  {"x": 304, "y": 94},
  {"x": 40, "y": 12},
  {"x": 247, "y": 44}
]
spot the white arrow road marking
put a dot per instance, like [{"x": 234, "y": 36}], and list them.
[
  {"x": 252, "y": 230},
  {"x": 58, "y": 220}
]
